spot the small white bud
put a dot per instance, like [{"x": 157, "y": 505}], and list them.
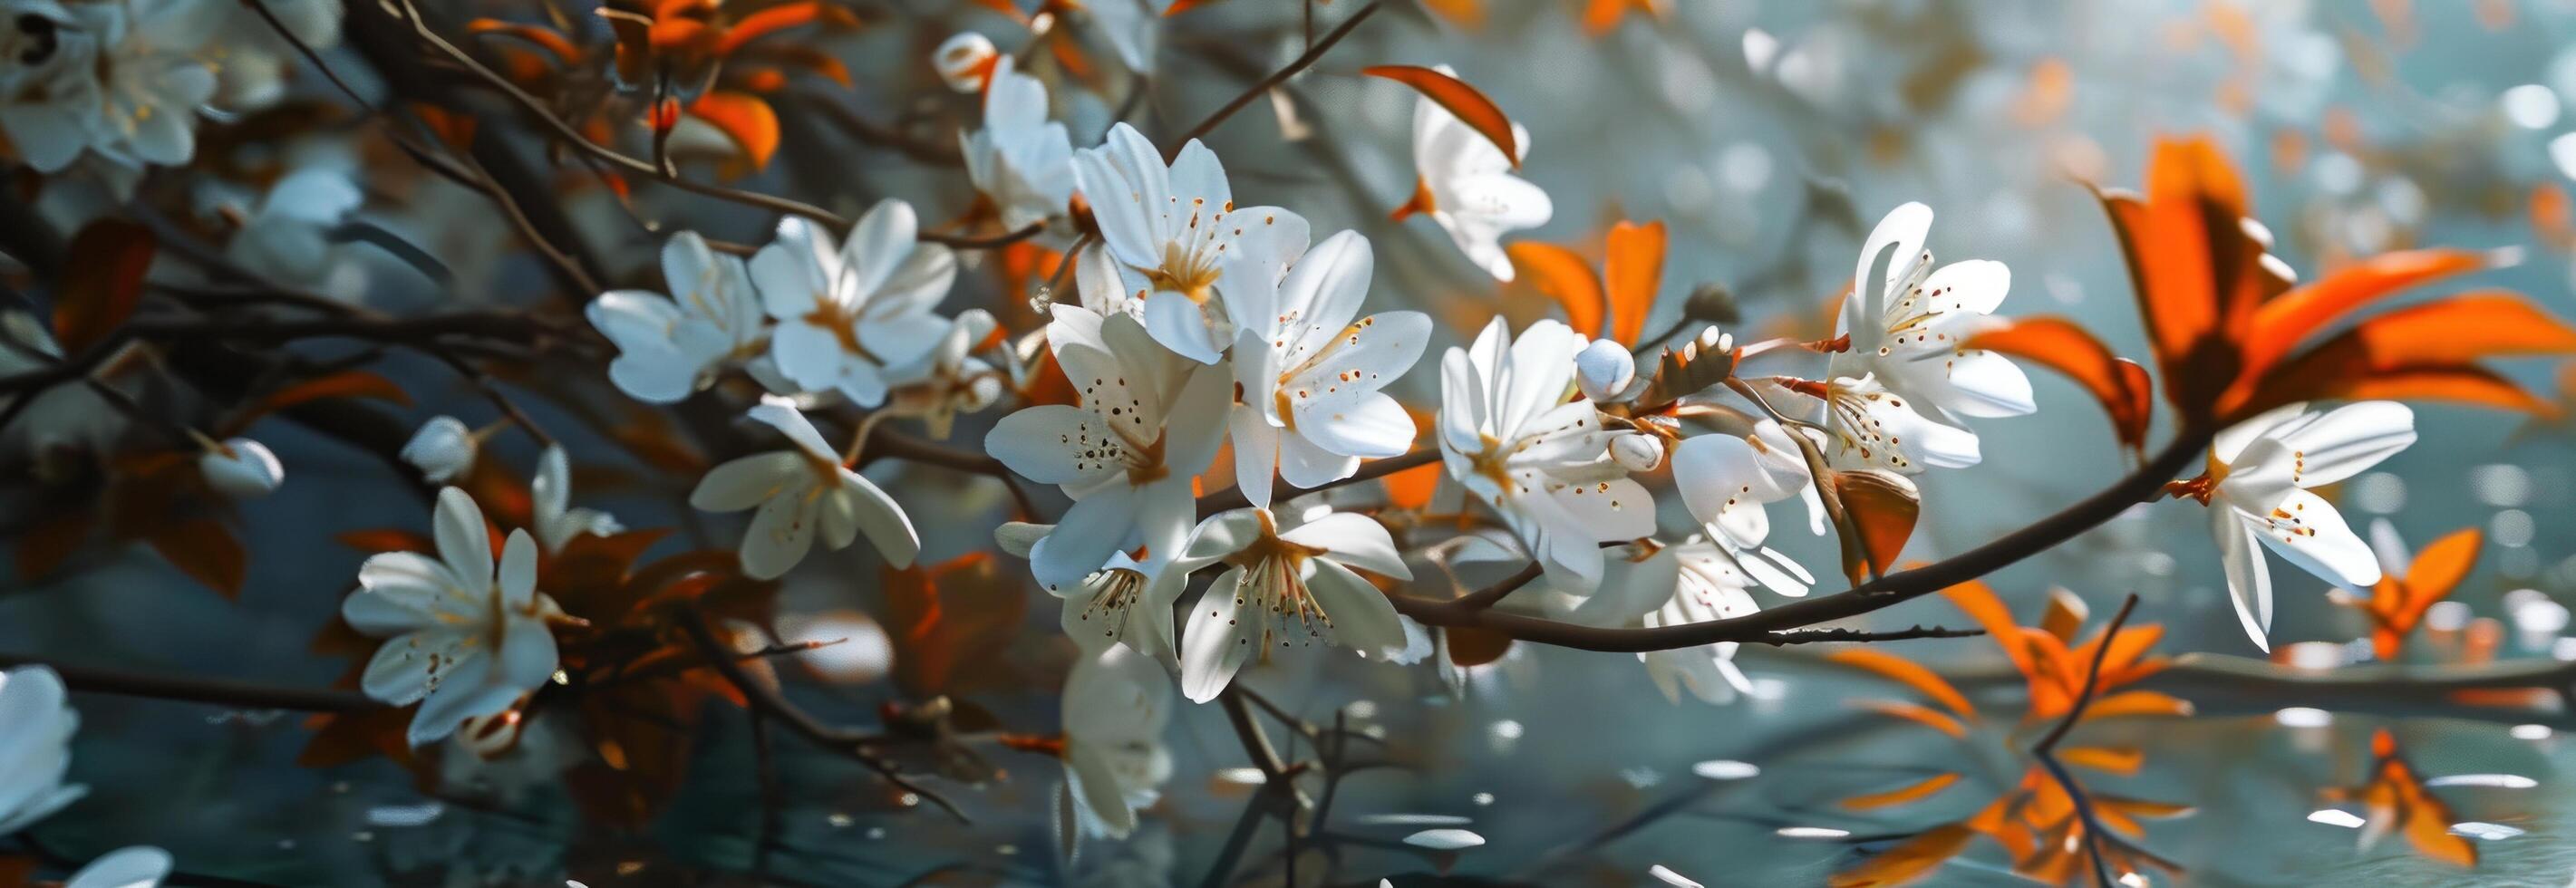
[
  {"x": 442, "y": 450},
  {"x": 1712, "y": 340},
  {"x": 965, "y": 61},
  {"x": 242, "y": 469},
  {"x": 1637, "y": 453},
  {"x": 1603, "y": 370}
]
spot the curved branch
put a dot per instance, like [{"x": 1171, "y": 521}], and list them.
[
  {"x": 1302, "y": 62},
  {"x": 1895, "y": 588},
  {"x": 1232, "y": 497}
]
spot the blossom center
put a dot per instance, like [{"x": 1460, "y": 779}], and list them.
[
  {"x": 1186, "y": 271},
  {"x": 1114, "y": 592},
  {"x": 842, "y": 321}
]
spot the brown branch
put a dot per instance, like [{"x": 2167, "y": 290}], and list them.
[
  {"x": 197, "y": 689},
  {"x": 768, "y": 702},
  {"x": 1313, "y": 54},
  {"x": 1892, "y": 589},
  {"x": 967, "y": 242},
  {"x": 1488, "y": 596},
  {"x": 2045, "y": 750}
]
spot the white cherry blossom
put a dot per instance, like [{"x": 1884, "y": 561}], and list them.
[
  {"x": 442, "y": 449},
  {"x": 965, "y": 60},
  {"x": 1149, "y": 421},
  {"x": 1908, "y": 332},
  {"x": 1728, "y": 482},
  {"x": 51, "y": 96},
  {"x": 161, "y": 71},
  {"x": 1281, "y": 588},
  {"x": 798, "y": 492},
  {"x": 1869, "y": 426},
  {"x": 670, "y": 346},
  {"x": 1117, "y": 703},
  {"x": 551, "y": 512},
  {"x": 1464, "y": 183},
  {"x": 36, "y": 727},
  {"x": 1511, "y": 437},
  {"x": 1182, "y": 245},
  {"x": 846, "y": 314},
  {"x": 465, "y": 637},
  {"x": 288, "y": 235},
  {"x": 1309, "y": 373},
  {"x": 241, "y": 468},
  {"x": 1020, "y": 160},
  {"x": 2257, "y": 490},
  {"x": 950, "y": 379},
  {"x": 137, "y": 866},
  {"x": 1694, "y": 581},
  {"x": 1109, "y": 607}
]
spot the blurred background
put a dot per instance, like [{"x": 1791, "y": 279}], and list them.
[{"x": 1769, "y": 136}]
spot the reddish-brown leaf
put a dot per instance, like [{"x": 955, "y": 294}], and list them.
[
  {"x": 2119, "y": 384},
  {"x": 1471, "y": 107},
  {"x": 101, "y": 282},
  {"x": 2422, "y": 351},
  {"x": 948, "y": 618},
  {"x": 385, "y": 539},
  {"x": 1908, "y": 860},
  {"x": 206, "y": 551},
  {"x": 781, "y": 17},
  {"x": 1471, "y": 646},
  {"x": 344, "y": 384},
  {"x": 1922, "y": 715},
  {"x": 2197, "y": 272},
  {"x": 1883, "y": 506}
]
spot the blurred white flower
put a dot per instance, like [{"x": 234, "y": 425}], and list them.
[
  {"x": 466, "y": 637},
  {"x": 1464, "y": 183},
  {"x": 1695, "y": 581},
  {"x": 670, "y": 347},
  {"x": 1280, "y": 588},
  {"x": 1908, "y": 332},
  {"x": 1149, "y": 421},
  {"x": 2257, "y": 485},
  {"x": 1133, "y": 28},
  {"x": 550, "y": 496},
  {"x": 1020, "y": 160},
  {"x": 798, "y": 489},
  {"x": 241, "y": 468},
  {"x": 1510, "y": 437},
  {"x": 965, "y": 60},
  {"x": 160, "y": 71},
  {"x": 846, "y": 315},
  {"x": 1308, "y": 376},
  {"x": 51, "y": 95},
  {"x": 36, "y": 726},
  {"x": 1116, "y": 704},
  {"x": 138, "y": 866},
  {"x": 442, "y": 449},
  {"x": 1183, "y": 244},
  {"x": 288, "y": 236},
  {"x": 950, "y": 379}
]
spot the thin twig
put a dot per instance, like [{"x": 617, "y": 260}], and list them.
[{"x": 1313, "y": 54}]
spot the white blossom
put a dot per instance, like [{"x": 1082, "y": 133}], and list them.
[
  {"x": 1464, "y": 183},
  {"x": 466, "y": 637},
  {"x": 443, "y": 449},
  {"x": 241, "y": 468},
  {"x": 846, "y": 314},
  {"x": 1182, "y": 245},
  {"x": 1511, "y": 437},
  {"x": 668, "y": 347},
  {"x": 799, "y": 490},
  {"x": 1281, "y": 588},
  {"x": 1149, "y": 421},
  {"x": 1020, "y": 160},
  {"x": 2257, "y": 490},
  {"x": 550, "y": 504},
  {"x": 1117, "y": 703},
  {"x": 1309, "y": 373},
  {"x": 36, "y": 727}
]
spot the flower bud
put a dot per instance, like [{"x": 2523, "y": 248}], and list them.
[
  {"x": 442, "y": 449},
  {"x": 1603, "y": 370},
  {"x": 1714, "y": 303},
  {"x": 1713, "y": 340},
  {"x": 965, "y": 61},
  {"x": 1637, "y": 452},
  {"x": 241, "y": 468}
]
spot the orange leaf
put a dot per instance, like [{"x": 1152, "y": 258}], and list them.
[
  {"x": 2422, "y": 351},
  {"x": 950, "y": 619},
  {"x": 1909, "y": 674},
  {"x": 2197, "y": 272},
  {"x": 778, "y": 18},
  {"x": 1902, "y": 794},
  {"x": 2280, "y": 324},
  {"x": 1565, "y": 277},
  {"x": 2129, "y": 703},
  {"x": 205, "y": 551},
  {"x": 1471, "y": 107},
  {"x": 2116, "y": 760},
  {"x": 1630, "y": 276},
  {"x": 1907, "y": 860},
  {"x": 2440, "y": 567},
  {"x": 1922, "y": 715},
  {"x": 1980, "y": 603},
  {"x": 744, "y": 118},
  {"x": 1883, "y": 506},
  {"x": 1600, "y": 16},
  {"x": 1412, "y": 488},
  {"x": 102, "y": 282},
  {"x": 2061, "y": 345},
  {"x": 543, "y": 38}
]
